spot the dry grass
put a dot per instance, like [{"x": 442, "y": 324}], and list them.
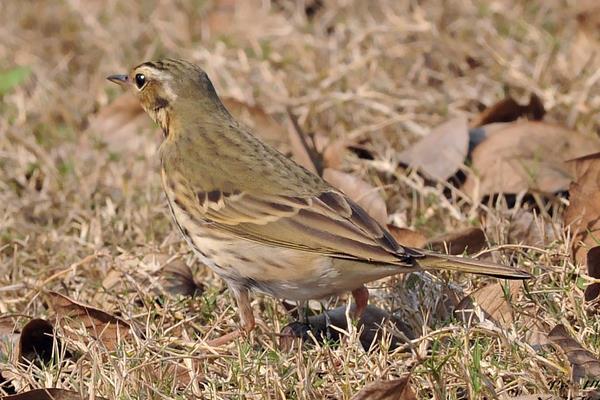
[{"x": 82, "y": 212}]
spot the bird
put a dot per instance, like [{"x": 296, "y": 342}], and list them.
[{"x": 258, "y": 219}]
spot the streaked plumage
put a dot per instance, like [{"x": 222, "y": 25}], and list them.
[{"x": 257, "y": 218}]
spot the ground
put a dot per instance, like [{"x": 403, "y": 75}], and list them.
[{"x": 82, "y": 212}]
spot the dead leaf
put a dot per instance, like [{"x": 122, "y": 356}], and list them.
[
  {"x": 333, "y": 151},
  {"x": 526, "y": 156},
  {"x": 49, "y": 394},
  {"x": 407, "y": 237},
  {"x": 396, "y": 389},
  {"x": 36, "y": 341},
  {"x": 492, "y": 299},
  {"x": 260, "y": 123},
  {"x": 496, "y": 307},
  {"x": 441, "y": 153},
  {"x": 508, "y": 110},
  {"x": 583, "y": 50},
  {"x": 593, "y": 267},
  {"x": 583, "y": 213},
  {"x": 465, "y": 241},
  {"x": 100, "y": 325},
  {"x": 360, "y": 191},
  {"x": 584, "y": 363},
  {"x": 328, "y": 325},
  {"x": 177, "y": 279},
  {"x": 119, "y": 123},
  {"x": 526, "y": 228}
]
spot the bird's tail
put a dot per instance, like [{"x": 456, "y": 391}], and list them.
[{"x": 431, "y": 260}]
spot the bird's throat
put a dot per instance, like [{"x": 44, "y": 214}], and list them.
[{"x": 161, "y": 117}]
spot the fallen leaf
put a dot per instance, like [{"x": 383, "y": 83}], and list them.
[
  {"x": 396, "y": 389},
  {"x": 260, "y": 123},
  {"x": 582, "y": 215},
  {"x": 100, "y": 325},
  {"x": 177, "y": 278},
  {"x": 526, "y": 228},
  {"x": 465, "y": 241},
  {"x": 328, "y": 325},
  {"x": 333, "y": 152},
  {"x": 508, "y": 110},
  {"x": 36, "y": 341},
  {"x": 49, "y": 394},
  {"x": 582, "y": 51},
  {"x": 442, "y": 152},
  {"x": 360, "y": 191},
  {"x": 493, "y": 302},
  {"x": 407, "y": 237},
  {"x": 120, "y": 123},
  {"x": 593, "y": 267},
  {"x": 492, "y": 299},
  {"x": 526, "y": 156},
  {"x": 584, "y": 363}
]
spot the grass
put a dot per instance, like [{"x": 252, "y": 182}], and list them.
[{"x": 82, "y": 211}]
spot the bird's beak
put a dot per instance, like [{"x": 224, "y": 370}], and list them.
[{"x": 119, "y": 79}]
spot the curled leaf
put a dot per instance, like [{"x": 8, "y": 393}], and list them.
[
  {"x": 469, "y": 240},
  {"x": 36, "y": 341},
  {"x": 526, "y": 156},
  {"x": 426, "y": 155},
  {"x": 74, "y": 316},
  {"x": 582, "y": 215},
  {"x": 584, "y": 363},
  {"x": 396, "y": 389},
  {"x": 508, "y": 110}
]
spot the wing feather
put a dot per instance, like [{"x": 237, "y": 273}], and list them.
[{"x": 329, "y": 223}]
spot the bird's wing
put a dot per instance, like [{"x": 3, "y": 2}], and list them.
[{"x": 328, "y": 223}]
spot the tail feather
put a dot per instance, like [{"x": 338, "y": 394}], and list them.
[{"x": 461, "y": 264}]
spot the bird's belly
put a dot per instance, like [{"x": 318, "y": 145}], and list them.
[{"x": 280, "y": 272}]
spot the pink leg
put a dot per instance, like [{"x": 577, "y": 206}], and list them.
[
  {"x": 246, "y": 319},
  {"x": 361, "y": 298}
]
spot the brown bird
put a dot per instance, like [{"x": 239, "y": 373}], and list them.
[{"x": 257, "y": 218}]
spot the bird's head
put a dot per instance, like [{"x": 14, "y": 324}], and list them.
[{"x": 168, "y": 89}]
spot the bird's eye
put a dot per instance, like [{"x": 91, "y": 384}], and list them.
[{"x": 140, "y": 80}]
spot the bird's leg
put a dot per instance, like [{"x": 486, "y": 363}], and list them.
[
  {"x": 246, "y": 318},
  {"x": 361, "y": 298},
  {"x": 302, "y": 307}
]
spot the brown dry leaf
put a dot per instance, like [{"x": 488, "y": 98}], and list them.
[
  {"x": 49, "y": 394},
  {"x": 492, "y": 301},
  {"x": 583, "y": 51},
  {"x": 526, "y": 156},
  {"x": 508, "y": 110},
  {"x": 72, "y": 316},
  {"x": 441, "y": 153},
  {"x": 328, "y": 325},
  {"x": 396, "y": 389},
  {"x": 583, "y": 362},
  {"x": 407, "y": 237},
  {"x": 36, "y": 341},
  {"x": 333, "y": 152},
  {"x": 248, "y": 21},
  {"x": 593, "y": 267},
  {"x": 526, "y": 228},
  {"x": 360, "y": 191},
  {"x": 468, "y": 240},
  {"x": 177, "y": 278},
  {"x": 259, "y": 122},
  {"x": 583, "y": 213},
  {"x": 119, "y": 123}
]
